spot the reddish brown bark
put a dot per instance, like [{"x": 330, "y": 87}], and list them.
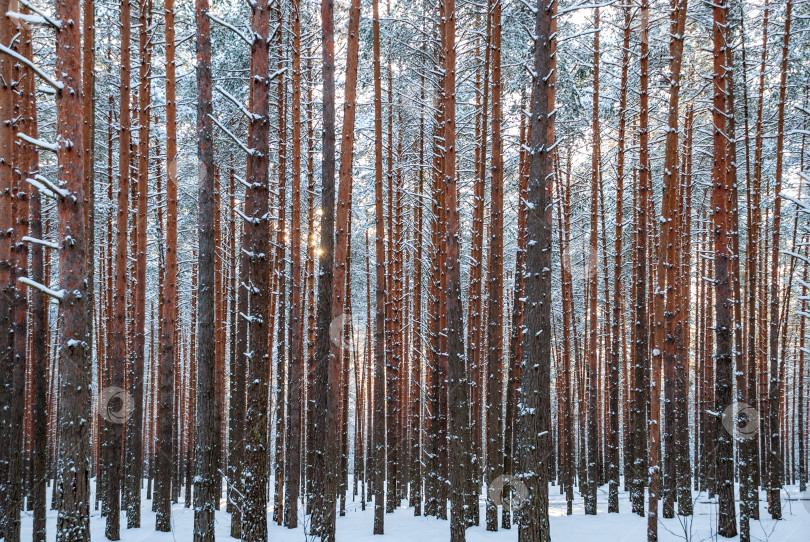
[
  {"x": 727, "y": 524},
  {"x": 206, "y": 426},
  {"x": 533, "y": 418},
  {"x": 168, "y": 320},
  {"x": 475, "y": 329},
  {"x": 668, "y": 254},
  {"x": 26, "y": 165},
  {"x": 296, "y": 348},
  {"x": 73, "y": 520},
  {"x": 135, "y": 423},
  {"x": 343, "y": 219},
  {"x": 379, "y": 319},
  {"x": 119, "y": 338},
  {"x": 495, "y": 312},
  {"x": 457, "y": 384},
  {"x": 327, "y": 438},
  {"x": 641, "y": 332},
  {"x": 593, "y": 289},
  {"x": 775, "y": 463},
  {"x": 256, "y": 242}
]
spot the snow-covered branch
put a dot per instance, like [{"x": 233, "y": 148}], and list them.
[
  {"x": 42, "y": 242},
  {"x": 41, "y": 182},
  {"x": 235, "y": 139},
  {"x": 802, "y": 205},
  {"x": 242, "y": 181},
  {"x": 50, "y": 20},
  {"x": 229, "y": 27},
  {"x": 795, "y": 255},
  {"x": 234, "y": 101},
  {"x": 45, "y": 77},
  {"x": 251, "y": 319},
  {"x": 53, "y": 147},
  {"x": 246, "y": 218},
  {"x": 29, "y": 19},
  {"x": 56, "y": 294},
  {"x": 44, "y": 190}
]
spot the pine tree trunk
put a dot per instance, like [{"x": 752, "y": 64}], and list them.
[
  {"x": 206, "y": 428},
  {"x": 296, "y": 347},
  {"x": 533, "y": 416},
  {"x": 775, "y": 464},
  {"x": 593, "y": 290},
  {"x": 327, "y": 438},
  {"x": 89, "y": 124},
  {"x": 417, "y": 382},
  {"x": 39, "y": 357},
  {"x": 341, "y": 306},
  {"x": 73, "y": 520},
  {"x": 495, "y": 298},
  {"x": 668, "y": 254},
  {"x": 615, "y": 354},
  {"x": 119, "y": 340},
  {"x": 256, "y": 242},
  {"x": 727, "y": 524},
  {"x": 134, "y": 465},
  {"x": 26, "y": 163},
  {"x": 475, "y": 330},
  {"x": 168, "y": 323},
  {"x": 458, "y": 387},
  {"x": 641, "y": 331},
  {"x": 7, "y": 148},
  {"x": 380, "y": 449}
]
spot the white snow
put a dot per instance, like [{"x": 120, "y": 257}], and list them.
[{"x": 402, "y": 526}]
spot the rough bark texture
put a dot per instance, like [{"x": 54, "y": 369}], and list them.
[
  {"x": 533, "y": 416},
  {"x": 615, "y": 352},
  {"x": 727, "y": 523},
  {"x": 378, "y": 489},
  {"x": 205, "y": 490},
  {"x": 670, "y": 208},
  {"x": 113, "y": 424},
  {"x": 256, "y": 242},
  {"x": 134, "y": 464},
  {"x": 592, "y": 264},
  {"x": 775, "y": 465},
  {"x": 6, "y": 232},
  {"x": 168, "y": 321},
  {"x": 458, "y": 386},
  {"x": 327, "y": 438},
  {"x": 641, "y": 331},
  {"x": 73, "y": 520},
  {"x": 495, "y": 313},
  {"x": 296, "y": 348}
]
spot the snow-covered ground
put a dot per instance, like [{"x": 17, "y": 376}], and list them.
[{"x": 402, "y": 526}]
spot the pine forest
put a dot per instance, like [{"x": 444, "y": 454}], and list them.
[{"x": 404, "y": 270}]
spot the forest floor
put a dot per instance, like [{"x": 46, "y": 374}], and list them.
[{"x": 402, "y": 526}]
